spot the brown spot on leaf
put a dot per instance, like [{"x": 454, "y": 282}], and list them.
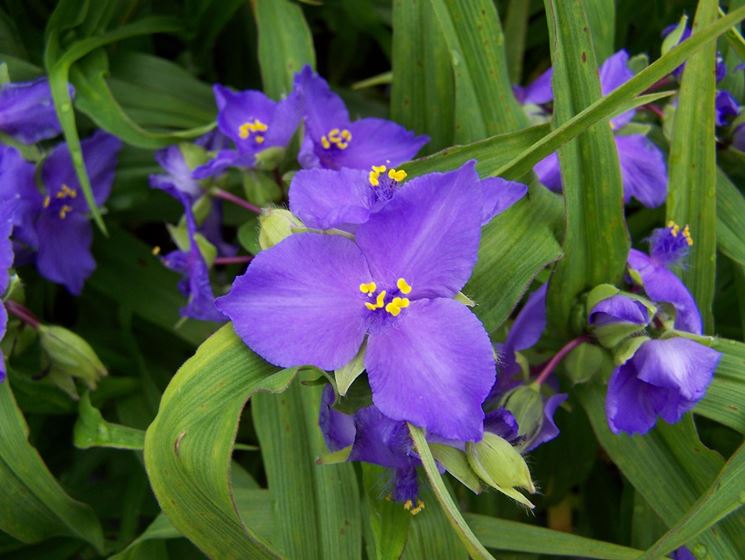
[
  {"x": 177, "y": 443},
  {"x": 583, "y": 56}
]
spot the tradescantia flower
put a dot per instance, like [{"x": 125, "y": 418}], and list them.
[
  {"x": 326, "y": 199},
  {"x": 665, "y": 378},
  {"x": 333, "y": 141},
  {"x": 668, "y": 247},
  {"x": 27, "y": 111},
  {"x": 643, "y": 169},
  {"x": 314, "y": 298},
  {"x": 7, "y": 209},
  {"x": 56, "y": 223},
  {"x": 254, "y": 123},
  {"x": 190, "y": 262}
]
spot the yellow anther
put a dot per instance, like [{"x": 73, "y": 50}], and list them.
[
  {"x": 419, "y": 507},
  {"x": 156, "y": 250},
  {"x": 346, "y": 135},
  {"x": 379, "y": 168},
  {"x": 374, "y": 178},
  {"x": 404, "y": 303},
  {"x": 47, "y": 201},
  {"x": 687, "y": 235},
  {"x": 64, "y": 211},
  {"x": 259, "y": 139},
  {"x": 371, "y": 306},
  {"x": 342, "y": 145},
  {"x": 325, "y": 143},
  {"x": 380, "y": 300},
  {"x": 338, "y": 137},
  {"x": 403, "y": 286},
  {"x": 260, "y": 126},
  {"x": 334, "y": 135},
  {"x": 393, "y": 309},
  {"x": 407, "y": 505},
  {"x": 397, "y": 175},
  {"x": 244, "y": 131},
  {"x": 368, "y": 288}
]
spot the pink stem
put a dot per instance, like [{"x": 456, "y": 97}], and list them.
[
  {"x": 23, "y": 313},
  {"x": 234, "y": 260},
  {"x": 553, "y": 362},
  {"x": 225, "y": 195},
  {"x": 654, "y": 109}
]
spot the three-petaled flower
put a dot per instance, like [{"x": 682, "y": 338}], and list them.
[
  {"x": 334, "y": 141},
  {"x": 314, "y": 298},
  {"x": 27, "y": 111}
]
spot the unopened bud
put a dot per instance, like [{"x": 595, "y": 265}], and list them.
[
  {"x": 70, "y": 356},
  {"x": 276, "y": 224},
  {"x": 500, "y": 466},
  {"x": 269, "y": 159}
]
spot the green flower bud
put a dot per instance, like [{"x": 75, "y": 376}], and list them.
[
  {"x": 276, "y": 224},
  {"x": 269, "y": 159},
  {"x": 526, "y": 405},
  {"x": 612, "y": 334},
  {"x": 69, "y": 356},
  {"x": 500, "y": 466}
]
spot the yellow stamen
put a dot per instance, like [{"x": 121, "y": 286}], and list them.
[
  {"x": 334, "y": 135},
  {"x": 259, "y": 139},
  {"x": 368, "y": 288},
  {"x": 374, "y": 178},
  {"x": 244, "y": 131},
  {"x": 393, "y": 309},
  {"x": 325, "y": 143},
  {"x": 338, "y": 137},
  {"x": 404, "y": 303},
  {"x": 687, "y": 235},
  {"x": 403, "y": 286},
  {"x": 407, "y": 505},
  {"x": 380, "y": 300},
  {"x": 64, "y": 211},
  {"x": 397, "y": 175},
  {"x": 419, "y": 507},
  {"x": 47, "y": 201},
  {"x": 342, "y": 145},
  {"x": 346, "y": 135}
]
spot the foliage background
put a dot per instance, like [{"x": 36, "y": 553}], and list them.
[{"x": 77, "y": 486}]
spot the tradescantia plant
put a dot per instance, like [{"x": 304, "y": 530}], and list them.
[{"x": 408, "y": 279}]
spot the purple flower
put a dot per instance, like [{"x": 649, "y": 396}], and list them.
[
  {"x": 643, "y": 169},
  {"x": 56, "y": 223},
  {"x": 548, "y": 429},
  {"x": 619, "y": 309},
  {"x": 664, "y": 378},
  {"x": 195, "y": 284},
  {"x": 254, "y": 123},
  {"x": 27, "y": 111},
  {"x": 178, "y": 174},
  {"x": 524, "y": 333},
  {"x": 683, "y": 553},
  {"x": 726, "y": 108},
  {"x": 333, "y": 141},
  {"x": 668, "y": 246},
  {"x": 538, "y": 92},
  {"x": 313, "y": 299},
  {"x": 7, "y": 209},
  {"x": 17, "y": 180},
  {"x": 325, "y": 198}
]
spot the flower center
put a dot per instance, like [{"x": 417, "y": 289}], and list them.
[
  {"x": 255, "y": 127},
  {"x": 395, "y": 304},
  {"x": 395, "y": 175},
  {"x": 336, "y": 137},
  {"x": 58, "y": 204}
]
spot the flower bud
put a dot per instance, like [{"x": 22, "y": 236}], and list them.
[
  {"x": 269, "y": 159},
  {"x": 276, "y": 224},
  {"x": 526, "y": 405},
  {"x": 500, "y": 466},
  {"x": 613, "y": 315},
  {"x": 70, "y": 356}
]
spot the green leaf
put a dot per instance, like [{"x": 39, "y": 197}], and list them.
[
  {"x": 691, "y": 198},
  {"x": 387, "y": 521},
  {"x": 422, "y": 94},
  {"x": 95, "y": 99},
  {"x": 285, "y": 44},
  {"x": 601, "y": 15},
  {"x": 318, "y": 505},
  {"x": 724, "y": 401},
  {"x": 670, "y": 468},
  {"x": 484, "y": 103},
  {"x": 730, "y": 213},
  {"x": 188, "y": 446},
  {"x": 515, "y": 30},
  {"x": 596, "y": 242},
  {"x": 502, "y": 534},
  {"x": 490, "y": 154},
  {"x": 620, "y": 99},
  {"x": 521, "y": 241},
  {"x": 91, "y": 430},
  {"x": 475, "y": 549},
  {"x": 128, "y": 273},
  {"x": 40, "y": 507},
  {"x": 723, "y": 497},
  {"x": 58, "y": 62}
]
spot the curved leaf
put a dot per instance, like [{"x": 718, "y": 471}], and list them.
[{"x": 188, "y": 446}]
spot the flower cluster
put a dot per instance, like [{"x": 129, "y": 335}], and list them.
[{"x": 51, "y": 223}]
